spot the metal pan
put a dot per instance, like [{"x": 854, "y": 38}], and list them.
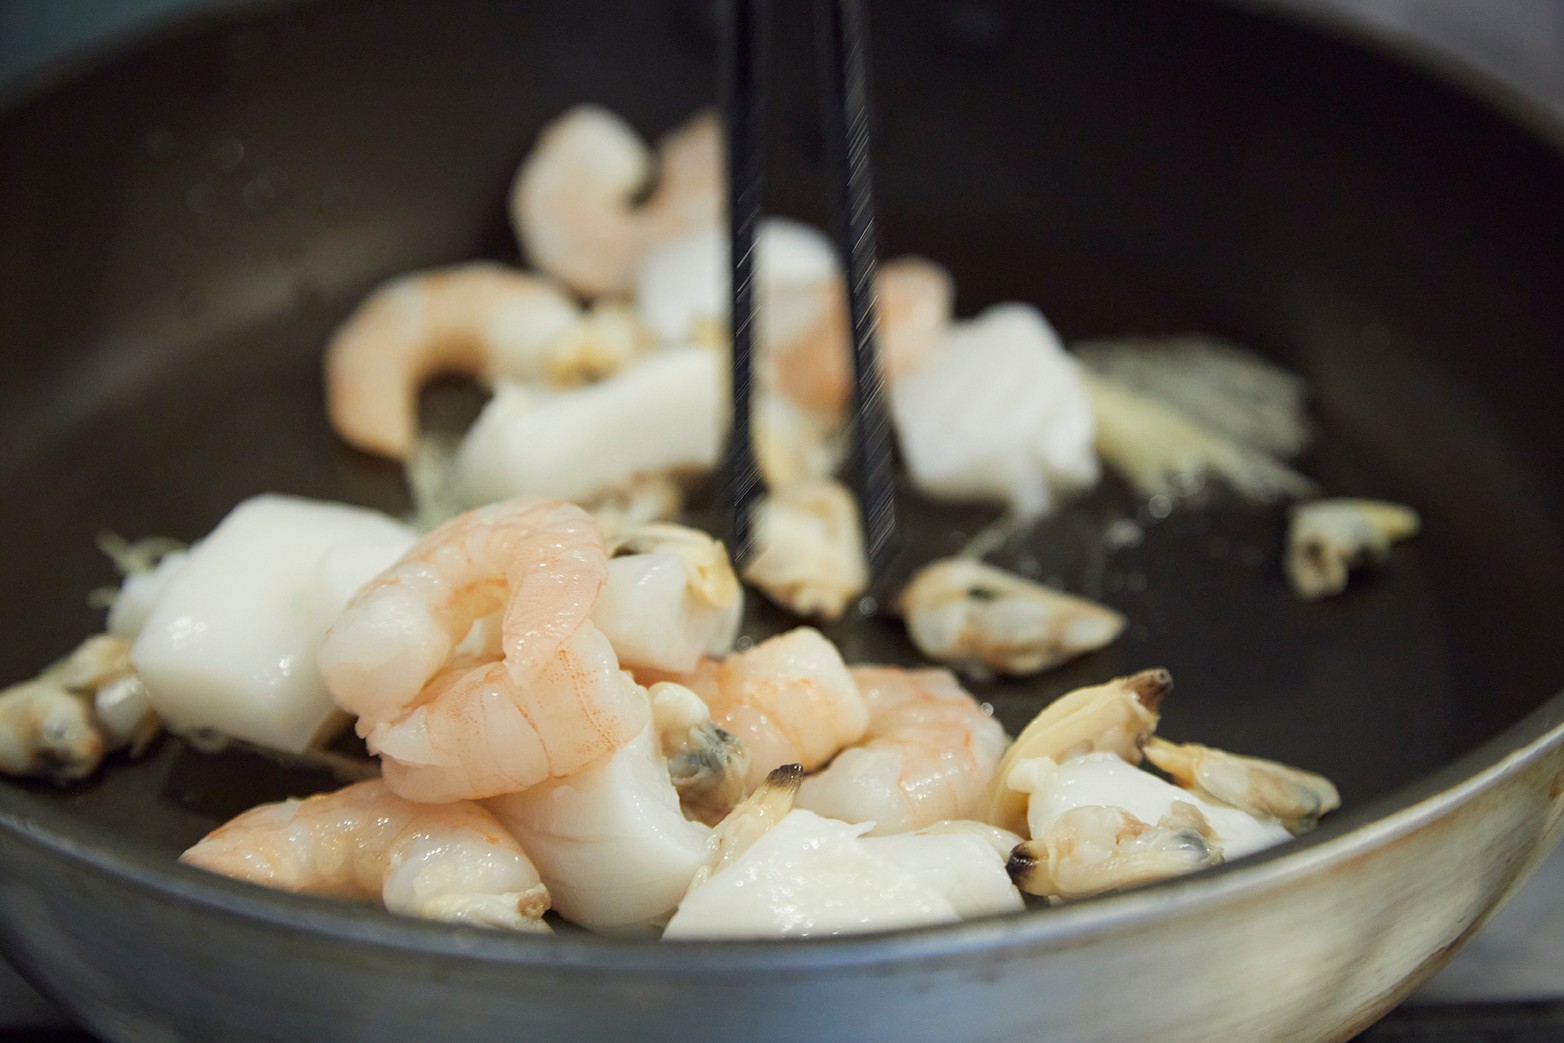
[{"x": 185, "y": 221}]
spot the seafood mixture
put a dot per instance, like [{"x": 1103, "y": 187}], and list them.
[{"x": 546, "y": 667}]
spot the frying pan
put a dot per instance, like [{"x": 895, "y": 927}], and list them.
[{"x": 185, "y": 222}]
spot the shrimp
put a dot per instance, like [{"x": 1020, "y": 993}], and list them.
[
  {"x": 542, "y": 699},
  {"x": 481, "y": 320},
  {"x": 929, "y": 755},
  {"x": 809, "y": 555},
  {"x": 790, "y": 699},
  {"x": 442, "y": 862},
  {"x": 813, "y": 368},
  {"x": 573, "y": 203}
]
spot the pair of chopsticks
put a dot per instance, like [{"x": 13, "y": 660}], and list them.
[{"x": 843, "y": 59}]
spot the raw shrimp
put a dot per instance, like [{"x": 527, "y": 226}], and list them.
[
  {"x": 813, "y": 368},
  {"x": 790, "y": 699},
  {"x": 442, "y": 862},
  {"x": 573, "y": 204},
  {"x": 546, "y": 701},
  {"x": 929, "y": 755},
  {"x": 481, "y": 320}
]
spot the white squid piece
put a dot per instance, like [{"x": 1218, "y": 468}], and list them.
[
  {"x": 667, "y": 412},
  {"x": 998, "y": 411},
  {"x": 230, "y": 643},
  {"x": 967, "y": 613},
  {"x": 1327, "y": 539},
  {"x": 809, "y": 876},
  {"x": 671, "y": 597},
  {"x": 808, "y": 555},
  {"x": 682, "y": 285},
  {"x": 611, "y": 841}
]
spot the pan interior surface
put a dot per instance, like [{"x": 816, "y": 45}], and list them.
[{"x": 186, "y": 225}]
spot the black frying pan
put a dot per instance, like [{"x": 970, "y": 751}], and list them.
[{"x": 182, "y": 225}]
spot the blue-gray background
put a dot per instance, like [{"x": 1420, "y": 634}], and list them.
[{"x": 1518, "y": 44}]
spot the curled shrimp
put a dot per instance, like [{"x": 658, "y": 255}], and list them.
[
  {"x": 573, "y": 204},
  {"x": 790, "y": 700},
  {"x": 540, "y": 699},
  {"x": 441, "y": 862},
  {"x": 481, "y": 320},
  {"x": 929, "y": 755},
  {"x": 813, "y": 370}
]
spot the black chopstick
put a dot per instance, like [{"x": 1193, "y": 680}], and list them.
[
  {"x": 842, "y": 33},
  {"x": 744, "y": 111},
  {"x": 843, "y": 36}
]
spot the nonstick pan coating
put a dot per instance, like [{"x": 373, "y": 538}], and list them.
[{"x": 184, "y": 223}]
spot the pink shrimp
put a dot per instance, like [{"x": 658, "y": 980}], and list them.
[
  {"x": 790, "y": 699},
  {"x": 813, "y": 368},
  {"x": 542, "y": 699},
  {"x": 479, "y": 320},
  {"x": 573, "y": 203},
  {"x": 442, "y": 862},
  {"x": 929, "y": 755}
]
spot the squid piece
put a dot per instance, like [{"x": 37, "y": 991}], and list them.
[
  {"x": 964, "y": 612},
  {"x": 809, "y": 555},
  {"x": 230, "y": 644},
  {"x": 667, "y": 412},
  {"x": 1263, "y": 788},
  {"x": 671, "y": 597},
  {"x": 997, "y": 411},
  {"x": 610, "y": 840},
  {"x": 1117, "y": 717},
  {"x": 1327, "y": 539},
  {"x": 808, "y": 876}
]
